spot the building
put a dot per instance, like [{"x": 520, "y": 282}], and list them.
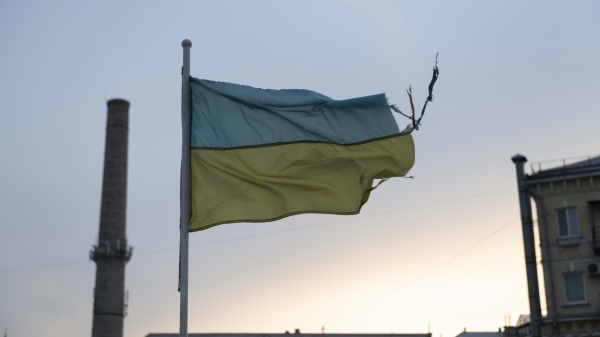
[
  {"x": 481, "y": 334},
  {"x": 566, "y": 193},
  {"x": 295, "y": 334}
]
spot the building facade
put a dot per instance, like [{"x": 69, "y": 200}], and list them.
[{"x": 566, "y": 194}]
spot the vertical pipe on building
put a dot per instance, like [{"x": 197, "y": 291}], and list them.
[
  {"x": 185, "y": 173},
  {"x": 111, "y": 252},
  {"x": 529, "y": 245},
  {"x": 544, "y": 225}
]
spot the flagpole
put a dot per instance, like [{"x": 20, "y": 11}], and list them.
[{"x": 185, "y": 174}]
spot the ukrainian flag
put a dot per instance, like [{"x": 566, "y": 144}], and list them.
[{"x": 260, "y": 155}]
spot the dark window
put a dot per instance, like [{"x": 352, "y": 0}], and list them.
[
  {"x": 568, "y": 224},
  {"x": 574, "y": 287}
]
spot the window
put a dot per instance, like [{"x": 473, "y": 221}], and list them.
[
  {"x": 568, "y": 226},
  {"x": 574, "y": 288}
]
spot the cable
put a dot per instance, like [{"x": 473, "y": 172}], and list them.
[
  {"x": 340, "y": 319},
  {"x": 359, "y": 217},
  {"x": 462, "y": 275},
  {"x": 56, "y": 265}
]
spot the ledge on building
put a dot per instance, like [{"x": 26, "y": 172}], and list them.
[{"x": 576, "y": 305}]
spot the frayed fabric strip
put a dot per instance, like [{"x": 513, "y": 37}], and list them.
[{"x": 417, "y": 122}]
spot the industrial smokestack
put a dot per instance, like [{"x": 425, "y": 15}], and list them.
[{"x": 111, "y": 252}]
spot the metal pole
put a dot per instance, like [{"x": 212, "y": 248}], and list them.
[
  {"x": 548, "y": 261},
  {"x": 185, "y": 173},
  {"x": 529, "y": 245}
]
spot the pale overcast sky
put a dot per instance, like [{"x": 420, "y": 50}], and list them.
[{"x": 445, "y": 248}]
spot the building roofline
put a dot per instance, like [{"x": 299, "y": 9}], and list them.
[
  {"x": 290, "y": 334},
  {"x": 544, "y": 177},
  {"x": 560, "y": 167}
]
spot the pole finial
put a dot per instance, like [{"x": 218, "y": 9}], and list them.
[{"x": 186, "y": 43}]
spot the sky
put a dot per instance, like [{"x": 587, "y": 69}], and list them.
[{"x": 443, "y": 250}]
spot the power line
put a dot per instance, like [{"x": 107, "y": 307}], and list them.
[
  {"x": 359, "y": 217},
  {"x": 48, "y": 266},
  {"x": 369, "y": 304}
]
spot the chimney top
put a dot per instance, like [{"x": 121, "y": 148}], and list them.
[
  {"x": 117, "y": 101},
  {"x": 519, "y": 158}
]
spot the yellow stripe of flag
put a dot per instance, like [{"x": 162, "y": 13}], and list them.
[{"x": 260, "y": 184}]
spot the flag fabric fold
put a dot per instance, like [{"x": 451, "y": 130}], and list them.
[{"x": 260, "y": 155}]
